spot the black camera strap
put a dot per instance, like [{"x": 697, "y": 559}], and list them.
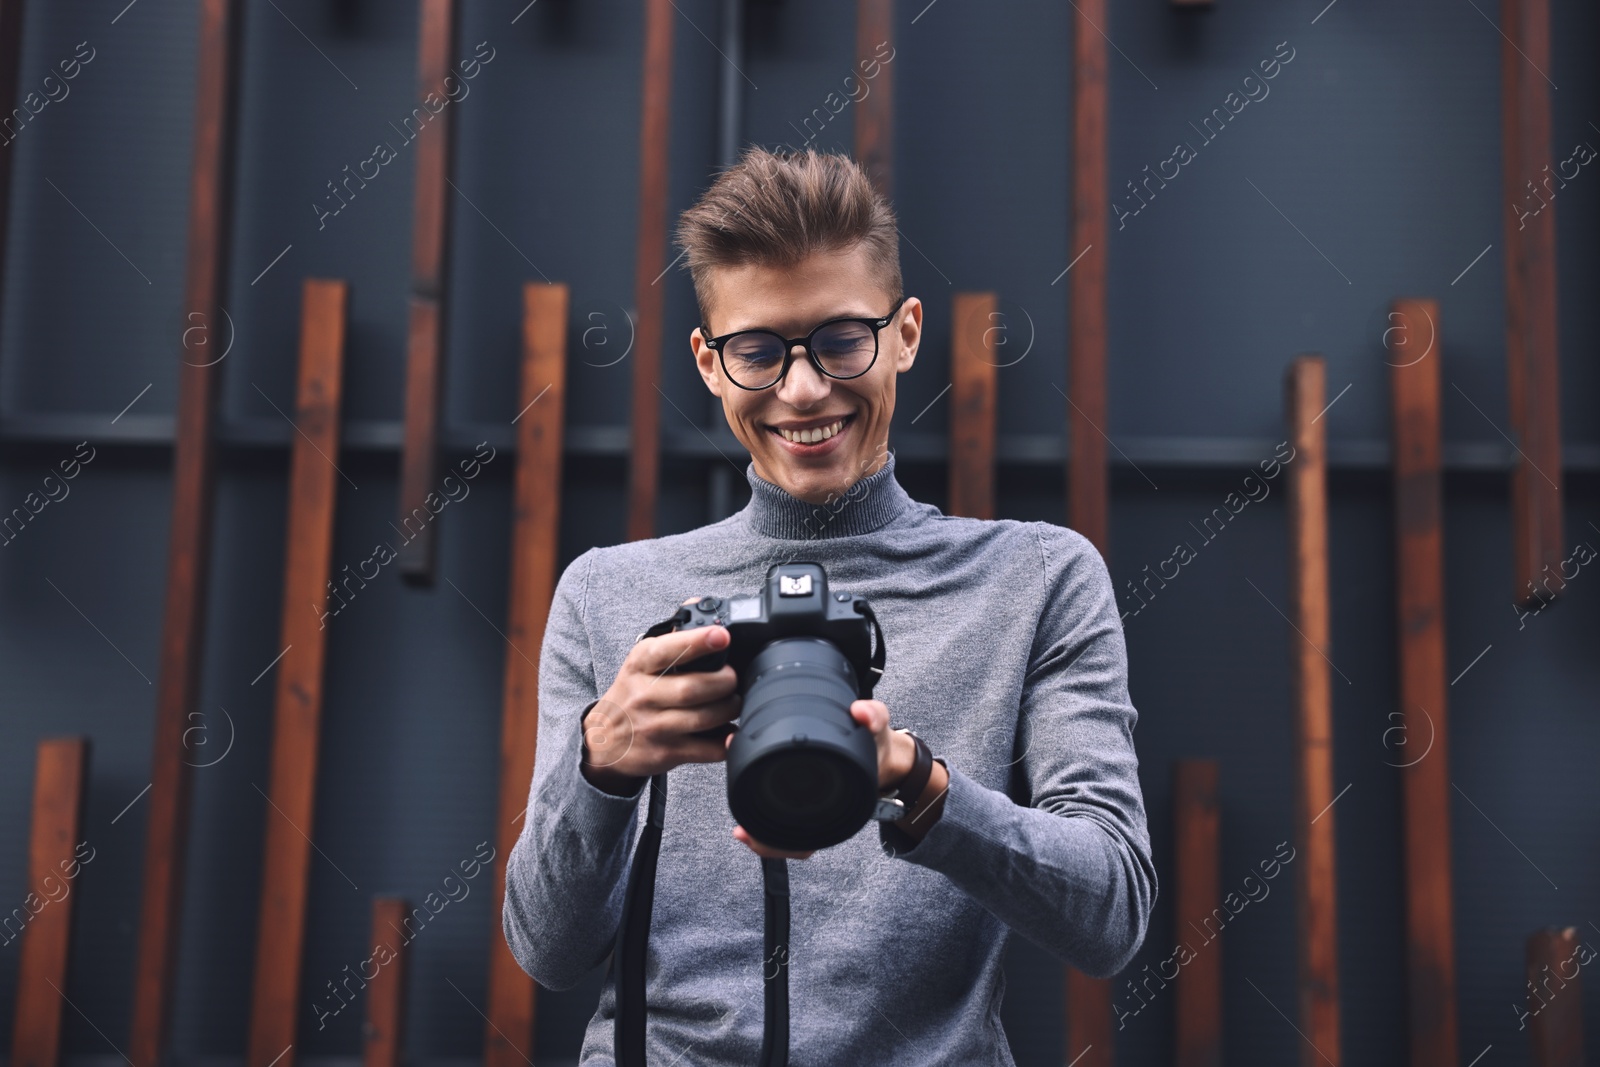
[{"x": 633, "y": 932}]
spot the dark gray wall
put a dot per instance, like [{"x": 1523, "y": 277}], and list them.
[{"x": 1380, "y": 140}]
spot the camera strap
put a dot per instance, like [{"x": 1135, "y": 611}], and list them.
[
  {"x": 633, "y": 935},
  {"x": 633, "y": 932}
]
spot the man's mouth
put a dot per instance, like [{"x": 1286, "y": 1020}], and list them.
[{"x": 814, "y": 434}]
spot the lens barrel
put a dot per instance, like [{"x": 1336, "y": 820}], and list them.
[{"x": 802, "y": 774}]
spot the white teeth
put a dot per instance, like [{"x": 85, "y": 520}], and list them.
[{"x": 811, "y": 437}]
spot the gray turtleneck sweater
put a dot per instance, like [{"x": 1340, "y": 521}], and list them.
[{"x": 1004, "y": 652}]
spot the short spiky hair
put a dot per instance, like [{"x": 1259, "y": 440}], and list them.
[{"x": 777, "y": 208}]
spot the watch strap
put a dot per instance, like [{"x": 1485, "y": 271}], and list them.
[{"x": 916, "y": 780}]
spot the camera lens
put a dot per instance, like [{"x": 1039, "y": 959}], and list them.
[
  {"x": 800, "y": 785},
  {"x": 802, "y": 774}
]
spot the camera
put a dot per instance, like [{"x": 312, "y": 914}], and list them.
[{"x": 802, "y": 773}]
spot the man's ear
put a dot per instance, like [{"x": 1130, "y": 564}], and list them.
[
  {"x": 705, "y": 360},
  {"x": 910, "y": 333}
]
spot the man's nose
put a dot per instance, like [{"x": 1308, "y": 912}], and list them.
[{"x": 803, "y": 384}]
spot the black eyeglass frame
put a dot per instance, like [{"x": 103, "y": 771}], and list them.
[{"x": 789, "y": 343}]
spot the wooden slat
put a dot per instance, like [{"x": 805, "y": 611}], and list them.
[
  {"x": 1555, "y": 998},
  {"x": 1532, "y": 335},
  {"x": 535, "y": 537},
  {"x": 1088, "y": 502},
  {"x": 1197, "y": 895},
  {"x": 1316, "y": 927},
  {"x": 875, "y": 111},
  {"x": 650, "y": 263},
  {"x": 1425, "y": 770},
  {"x": 1089, "y": 1029},
  {"x": 1087, "y": 484},
  {"x": 383, "y": 1037},
  {"x": 425, "y": 330},
  {"x": 62, "y": 771},
  {"x": 973, "y": 372},
  {"x": 297, "y": 712},
  {"x": 189, "y": 539}
]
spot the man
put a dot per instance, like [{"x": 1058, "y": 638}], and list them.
[{"x": 1005, "y": 656}]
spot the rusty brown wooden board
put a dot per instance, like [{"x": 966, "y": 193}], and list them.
[
  {"x": 650, "y": 264},
  {"x": 297, "y": 711},
  {"x": 1197, "y": 896},
  {"x": 875, "y": 111},
  {"x": 1532, "y": 335},
  {"x": 1309, "y": 640},
  {"x": 60, "y": 776},
  {"x": 1088, "y": 1015},
  {"x": 189, "y": 538},
  {"x": 1088, "y": 501},
  {"x": 972, "y": 419},
  {"x": 1555, "y": 997},
  {"x": 535, "y": 538},
  {"x": 1420, "y": 617},
  {"x": 383, "y": 1037},
  {"x": 425, "y": 327}
]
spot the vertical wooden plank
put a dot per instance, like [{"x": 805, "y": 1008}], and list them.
[
  {"x": 875, "y": 111},
  {"x": 1197, "y": 834},
  {"x": 189, "y": 539},
  {"x": 425, "y": 329},
  {"x": 1532, "y": 335},
  {"x": 1088, "y": 503},
  {"x": 1316, "y": 927},
  {"x": 972, "y": 420},
  {"x": 535, "y": 538},
  {"x": 62, "y": 770},
  {"x": 383, "y": 1037},
  {"x": 1089, "y": 1030},
  {"x": 1425, "y": 776},
  {"x": 1555, "y": 997},
  {"x": 297, "y": 712},
  {"x": 644, "y": 473},
  {"x": 1087, "y": 485}
]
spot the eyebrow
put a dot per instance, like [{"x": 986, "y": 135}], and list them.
[{"x": 814, "y": 325}]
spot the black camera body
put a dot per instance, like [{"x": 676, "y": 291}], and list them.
[{"x": 802, "y": 773}]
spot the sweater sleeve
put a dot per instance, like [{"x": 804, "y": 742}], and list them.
[
  {"x": 565, "y": 876},
  {"x": 1072, "y": 871}
]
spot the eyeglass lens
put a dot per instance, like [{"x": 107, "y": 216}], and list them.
[{"x": 845, "y": 349}]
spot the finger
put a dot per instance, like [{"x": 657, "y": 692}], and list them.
[
  {"x": 764, "y": 851},
  {"x": 700, "y": 719},
  {"x": 873, "y": 714},
  {"x": 692, "y": 689},
  {"x": 699, "y": 750},
  {"x": 656, "y": 654}
]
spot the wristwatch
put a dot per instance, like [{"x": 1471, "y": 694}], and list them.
[{"x": 893, "y": 804}]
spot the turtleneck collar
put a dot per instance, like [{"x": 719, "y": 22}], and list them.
[{"x": 871, "y": 503}]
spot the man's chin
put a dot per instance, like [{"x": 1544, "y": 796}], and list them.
[{"x": 815, "y": 478}]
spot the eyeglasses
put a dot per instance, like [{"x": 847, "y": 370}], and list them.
[{"x": 839, "y": 348}]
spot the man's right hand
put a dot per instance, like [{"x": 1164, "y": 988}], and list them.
[{"x": 647, "y": 721}]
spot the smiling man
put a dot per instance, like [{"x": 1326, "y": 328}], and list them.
[{"x": 1002, "y": 717}]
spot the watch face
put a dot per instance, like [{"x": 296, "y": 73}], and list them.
[{"x": 889, "y": 810}]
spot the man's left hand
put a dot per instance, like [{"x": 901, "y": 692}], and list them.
[{"x": 896, "y": 753}]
